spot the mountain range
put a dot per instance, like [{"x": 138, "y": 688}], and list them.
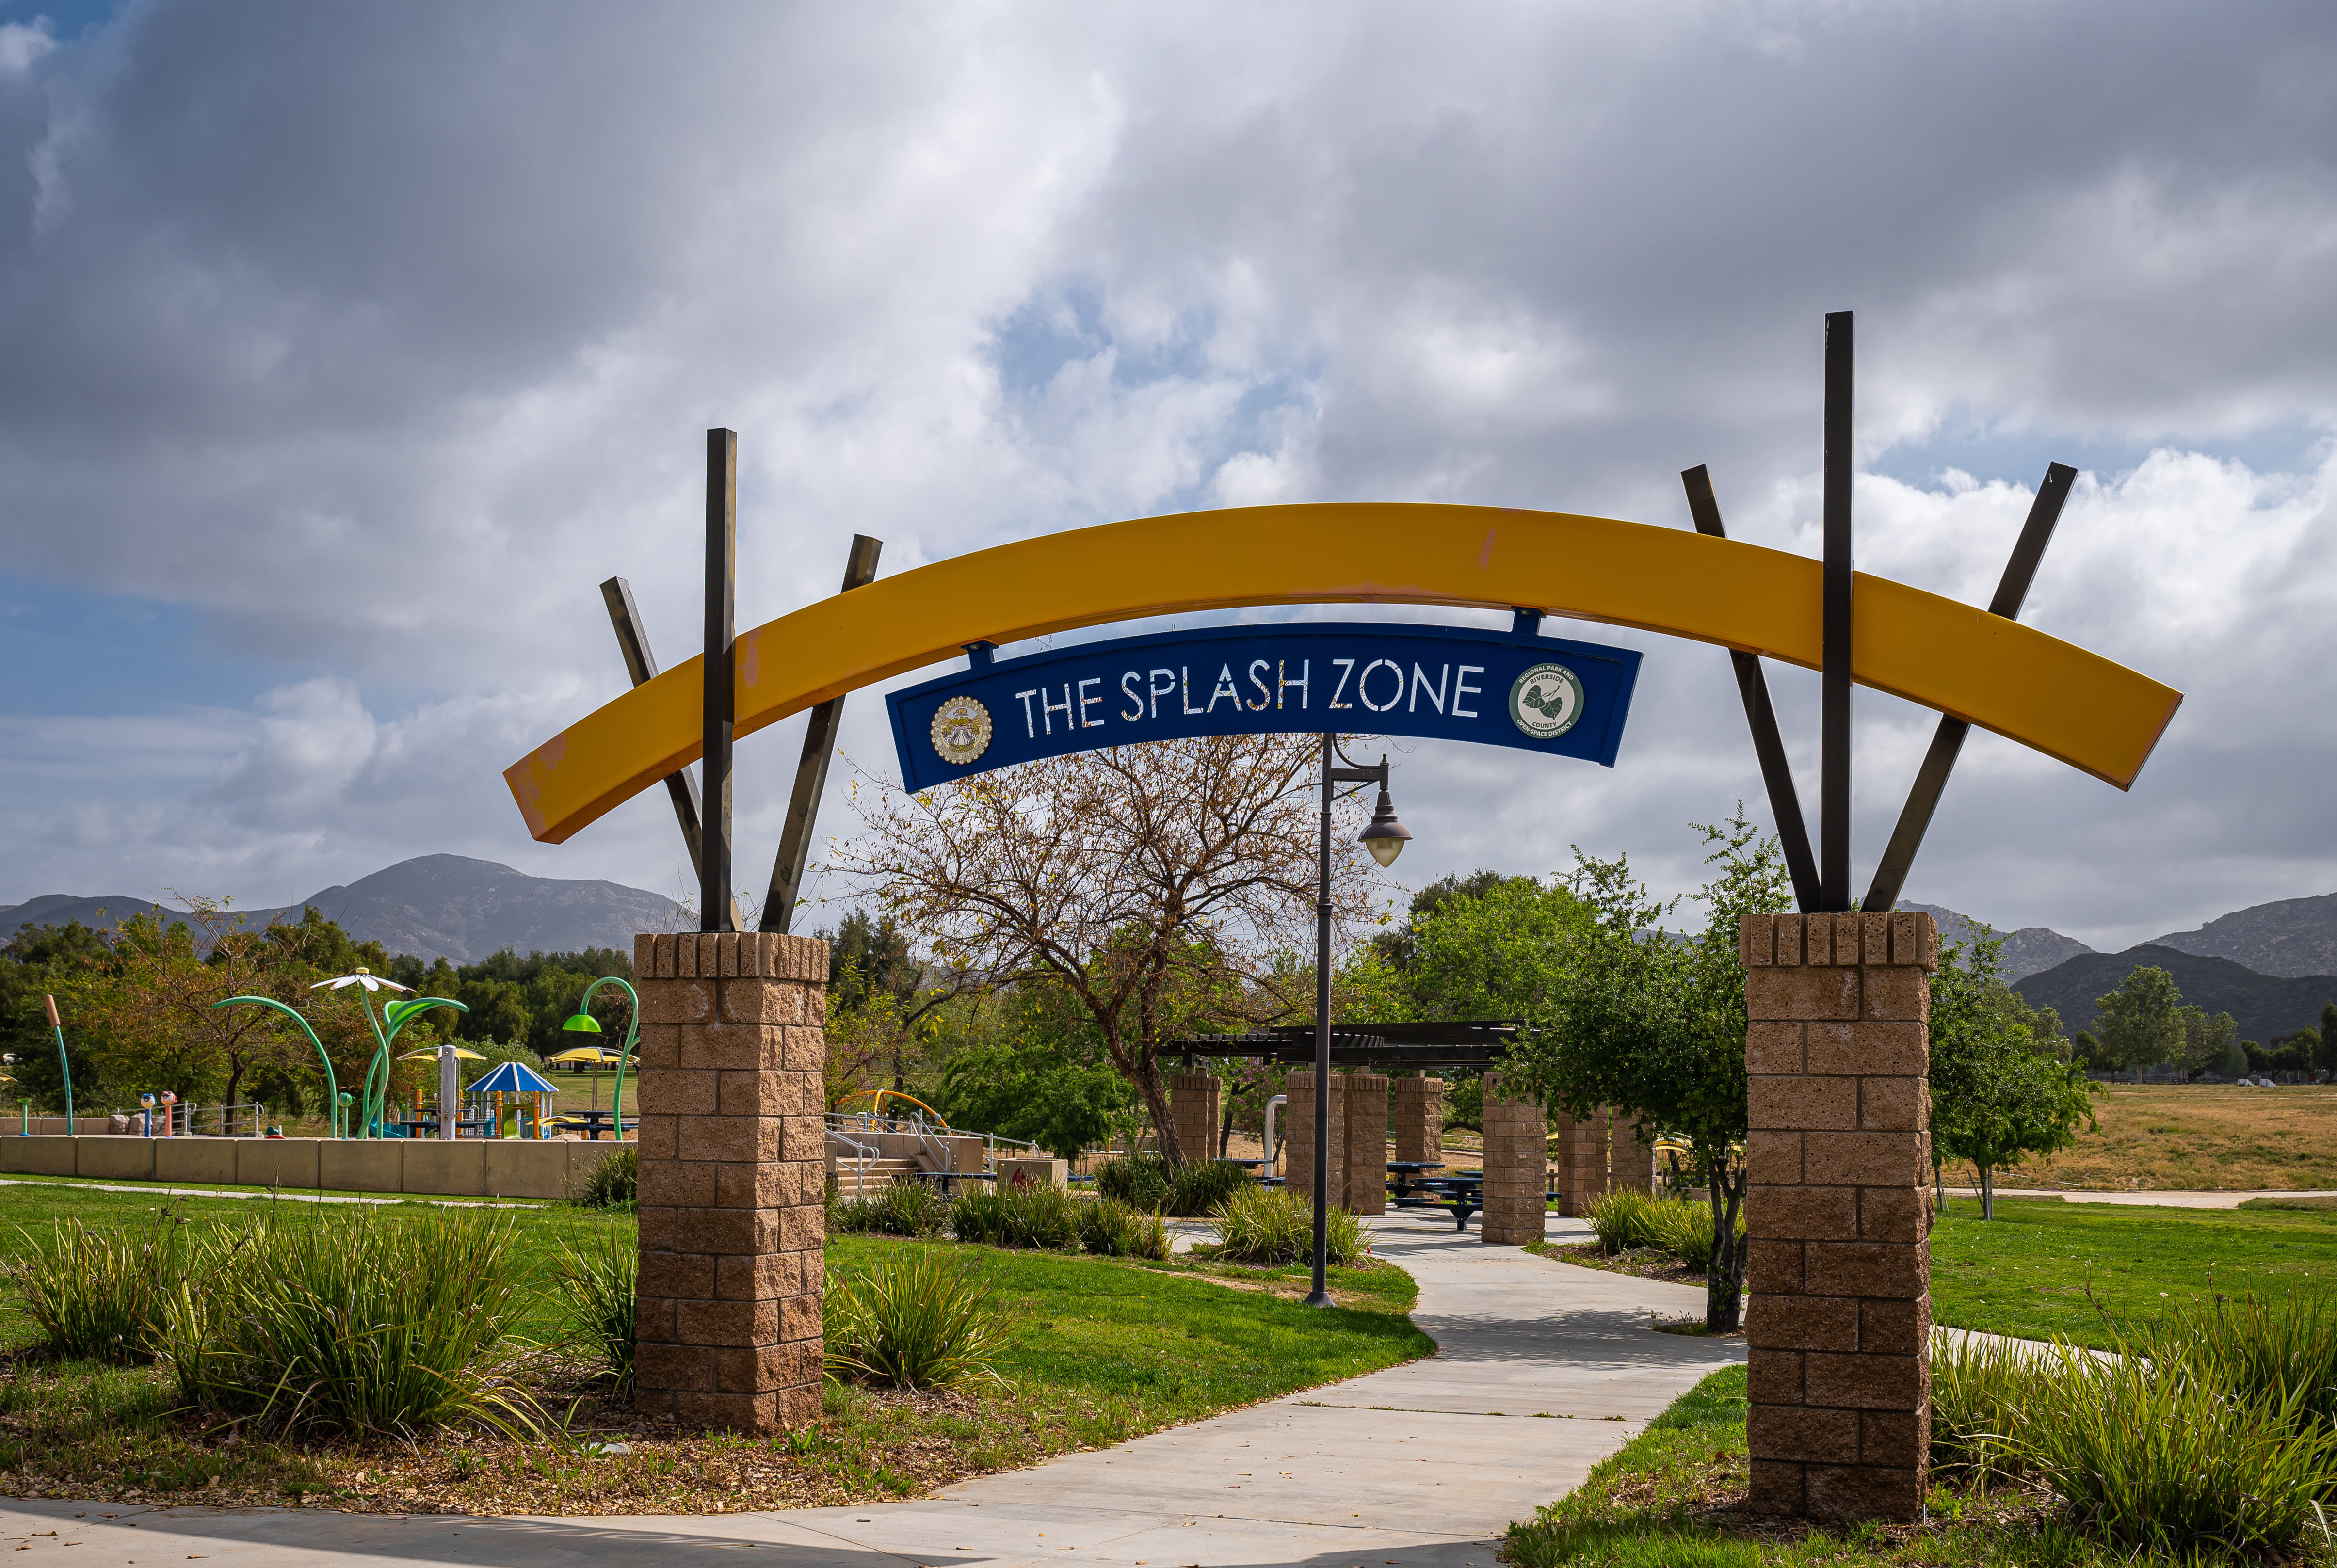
[
  {"x": 2269, "y": 966},
  {"x": 433, "y": 906}
]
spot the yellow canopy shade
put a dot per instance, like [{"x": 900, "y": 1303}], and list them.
[
  {"x": 431, "y": 1055},
  {"x": 587, "y": 1054}
]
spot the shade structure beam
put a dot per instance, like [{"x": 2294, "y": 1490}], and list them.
[
  {"x": 1761, "y": 717},
  {"x": 1948, "y": 739},
  {"x": 811, "y": 771}
]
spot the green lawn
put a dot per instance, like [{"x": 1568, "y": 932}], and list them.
[
  {"x": 1650, "y": 1507},
  {"x": 1099, "y": 1350},
  {"x": 2029, "y": 1271}
]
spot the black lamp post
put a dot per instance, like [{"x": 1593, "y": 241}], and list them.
[{"x": 1385, "y": 838}]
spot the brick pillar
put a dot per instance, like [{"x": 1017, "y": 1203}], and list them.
[
  {"x": 1419, "y": 1119},
  {"x": 1367, "y": 1137},
  {"x": 1299, "y": 1169},
  {"x": 1631, "y": 1154},
  {"x": 1582, "y": 1161},
  {"x": 1193, "y": 1106},
  {"x": 1837, "y": 1210},
  {"x": 1517, "y": 1164},
  {"x": 732, "y": 1157}
]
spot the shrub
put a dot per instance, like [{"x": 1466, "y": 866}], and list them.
[
  {"x": 1043, "y": 1216},
  {"x": 2257, "y": 1348},
  {"x": 913, "y": 1321},
  {"x": 98, "y": 1296},
  {"x": 901, "y": 1209},
  {"x": 1141, "y": 1181},
  {"x": 1626, "y": 1220},
  {"x": 1199, "y": 1189},
  {"x": 599, "y": 1277},
  {"x": 1113, "y": 1230},
  {"x": 1623, "y": 1219},
  {"x": 612, "y": 1183},
  {"x": 353, "y": 1324},
  {"x": 1980, "y": 1389},
  {"x": 2159, "y": 1457},
  {"x": 1275, "y": 1226}
]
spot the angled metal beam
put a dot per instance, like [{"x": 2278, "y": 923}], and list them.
[
  {"x": 1948, "y": 740},
  {"x": 1833, "y": 732},
  {"x": 715, "y": 911},
  {"x": 811, "y": 773},
  {"x": 642, "y": 665},
  {"x": 1753, "y": 685}
]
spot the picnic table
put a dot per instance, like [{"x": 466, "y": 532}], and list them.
[
  {"x": 1464, "y": 1194},
  {"x": 595, "y": 1122}
]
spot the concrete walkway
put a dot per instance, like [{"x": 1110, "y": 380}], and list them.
[{"x": 1544, "y": 1369}]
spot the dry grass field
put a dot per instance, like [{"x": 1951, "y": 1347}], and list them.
[{"x": 2197, "y": 1137}]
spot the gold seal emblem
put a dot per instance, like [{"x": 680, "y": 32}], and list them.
[{"x": 960, "y": 730}]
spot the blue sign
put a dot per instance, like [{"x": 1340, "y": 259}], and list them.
[{"x": 1441, "y": 683}]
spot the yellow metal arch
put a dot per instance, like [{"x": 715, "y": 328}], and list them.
[{"x": 1995, "y": 673}]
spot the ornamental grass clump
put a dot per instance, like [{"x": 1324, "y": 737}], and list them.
[
  {"x": 1981, "y": 1390},
  {"x": 915, "y": 1320},
  {"x": 1110, "y": 1229},
  {"x": 99, "y": 1295},
  {"x": 612, "y": 1183},
  {"x": 1141, "y": 1181},
  {"x": 599, "y": 1278},
  {"x": 2161, "y": 1457},
  {"x": 1275, "y": 1226},
  {"x": 901, "y": 1209},
  {"x": 1626, "y": 1220},
  {"x": 1044, "y": 1217},
  {"x": 354, "y": 1325}
]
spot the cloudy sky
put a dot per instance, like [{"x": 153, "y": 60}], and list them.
[{"x": 345, "y": 348}]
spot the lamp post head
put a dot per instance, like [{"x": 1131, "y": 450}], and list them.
[{"x": 1386, "y": 837}]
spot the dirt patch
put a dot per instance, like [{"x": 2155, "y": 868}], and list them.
[{"x": 2194, "y": 1137}]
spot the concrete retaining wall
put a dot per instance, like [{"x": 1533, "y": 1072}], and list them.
[{"x": 469, "y": 1168}]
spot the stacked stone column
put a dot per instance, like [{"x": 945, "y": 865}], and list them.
[
  {"x": 1299, "y": 1169},
  {"x": 1419, "y": 1120},
  {"x": 1582, "y": 1161},
  {"x": 1837, "y": 1210},
  {"x": 1517, "y": 1163},
  {"x": 1193, "y": 1109},
  {"x": 1367, "y": 1139},
  {"x": 1631, "y": 1154},
  {"x": 732, "y": 1167}
]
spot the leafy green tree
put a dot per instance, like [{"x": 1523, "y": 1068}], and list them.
[
  {"x": 1998, "y": 1090},
  {"x": 1657, "y": 1025},
  {"x": 2206, "y": 1041},
  {"x": 1499, "y": 953},
  {"x": 2139, "y": 1023},
  {"x": 1046, "y": 1079},
  {"x": 2235, "y": 1065},
  {"x": 2327, "y": 1058}
]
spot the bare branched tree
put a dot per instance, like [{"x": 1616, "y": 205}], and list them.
[{"x": 1152, "y": 882}]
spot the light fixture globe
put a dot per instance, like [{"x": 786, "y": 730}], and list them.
[{"x": 1386, "y": 837}]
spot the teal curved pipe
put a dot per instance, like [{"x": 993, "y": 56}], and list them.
[
  {"x": 624, "y": 1056},
  {"x": 332, "y": 1083}
]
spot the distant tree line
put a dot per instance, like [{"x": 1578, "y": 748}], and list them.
[{"x": 2145, "y": 1023}]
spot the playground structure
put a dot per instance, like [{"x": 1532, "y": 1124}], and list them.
[
  {"x": 396, "y": 1014},
  {"x": 867, "y": 1150}
]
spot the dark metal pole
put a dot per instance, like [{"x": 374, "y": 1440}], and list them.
[
  {"x": 1834, "y": 742},
  {"x": 811, "y": 772},
  {"x": 640, "y": 664},
  {"x": 720, "y": 678},
  {"x": 1948, "y": 740},
  {"x": 1753, "y": 687},
  {"x": 1320, "y": 1296}
]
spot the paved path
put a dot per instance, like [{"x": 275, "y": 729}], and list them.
[{"x": 1419, "y": 1466}]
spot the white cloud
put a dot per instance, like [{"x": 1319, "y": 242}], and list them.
[{"x": 378, "y": 338}]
